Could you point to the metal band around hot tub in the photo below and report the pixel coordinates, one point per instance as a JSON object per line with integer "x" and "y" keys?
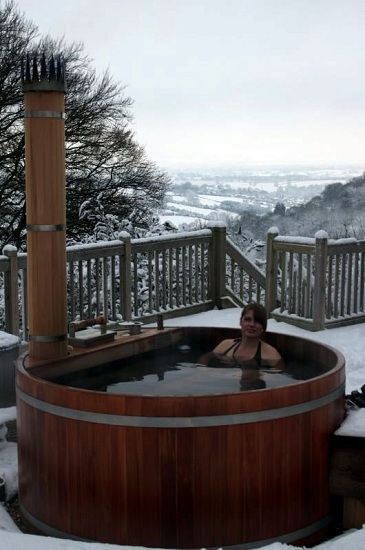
{"x": 284, "y": 538}
{"x": 45, "y": 227}
{"x": 47, "y": 338}
{"x": 44, "y": 114}
{"x": 180, "y": 422}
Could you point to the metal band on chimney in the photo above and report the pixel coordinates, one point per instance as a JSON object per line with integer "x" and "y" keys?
{"x": 45, "y": 227}
{"x": 44, "y": 114}
{"x": 47, "y": 338}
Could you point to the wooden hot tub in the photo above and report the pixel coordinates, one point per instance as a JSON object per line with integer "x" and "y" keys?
{"x": 243, "y": 469}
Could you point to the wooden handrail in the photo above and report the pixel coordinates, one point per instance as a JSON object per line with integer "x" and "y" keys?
{"x": 321, "y": 280}
{"x": 184, "y": 273}
{"x": 245, "y": 263}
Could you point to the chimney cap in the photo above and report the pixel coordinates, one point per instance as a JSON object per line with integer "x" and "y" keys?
{"x": 37, "y": 75}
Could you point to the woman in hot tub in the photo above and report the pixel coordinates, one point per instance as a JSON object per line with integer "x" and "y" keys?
{"x": 249, "y": 351}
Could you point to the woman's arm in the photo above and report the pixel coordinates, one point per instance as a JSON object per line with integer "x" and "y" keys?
{"x": 214, "y": 358}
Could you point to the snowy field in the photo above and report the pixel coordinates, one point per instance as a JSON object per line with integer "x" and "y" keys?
{"x": 199, "y": 210}
{"x": 349, "y": 340}
{"x": 272, "y": 186}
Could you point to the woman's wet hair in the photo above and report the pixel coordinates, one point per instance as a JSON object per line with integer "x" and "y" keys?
{"x": 259, "y": 313}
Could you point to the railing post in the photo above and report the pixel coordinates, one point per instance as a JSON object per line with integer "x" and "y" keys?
{"x": 218, "y": 264}
{"x": 11, "y": 291}
{"x": 319, "y": 293}
{"x": 271, "y": 288}
{"x": 125, "y": 277}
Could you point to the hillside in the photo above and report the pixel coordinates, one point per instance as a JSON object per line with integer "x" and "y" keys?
{"x": 339, "y": 210}
{"x": 299, "y": 200}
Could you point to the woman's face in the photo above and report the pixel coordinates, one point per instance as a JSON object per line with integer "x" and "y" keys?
{"x": 250, "y": 327}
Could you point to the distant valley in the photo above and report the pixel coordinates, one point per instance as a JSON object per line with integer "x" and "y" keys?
{"x": 224, "y": 194}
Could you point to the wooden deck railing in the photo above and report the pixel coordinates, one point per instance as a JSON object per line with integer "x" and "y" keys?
{"x": 315, "y": 283}
{"x": 244, "y": 281}
{"x": 124, "y": 279}
{"x": 312, "y": 283}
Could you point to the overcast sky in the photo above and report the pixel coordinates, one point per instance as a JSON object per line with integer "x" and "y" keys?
{"x": 229, "y": 81}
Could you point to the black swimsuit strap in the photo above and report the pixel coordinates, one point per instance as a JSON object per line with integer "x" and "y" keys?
{"x": 256, "y": 357}
{"x": 258, "y": 354}
{"x": 235, "y": 345}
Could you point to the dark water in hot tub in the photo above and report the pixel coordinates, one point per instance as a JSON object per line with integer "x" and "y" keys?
{"x": 176, "y": 371}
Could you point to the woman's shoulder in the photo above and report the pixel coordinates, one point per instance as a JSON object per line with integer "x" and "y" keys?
{"x": 268, "y": 351}
{"x": 224, "y": 345}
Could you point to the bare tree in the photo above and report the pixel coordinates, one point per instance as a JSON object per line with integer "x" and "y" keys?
{"x": 16, "y": 33}
{"x": 103, "y": 159}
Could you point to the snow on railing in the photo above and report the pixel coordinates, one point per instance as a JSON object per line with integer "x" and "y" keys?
{"x": 122, "y": 279}
{"x": 309, "y": 282}
{"x": 320, "y": 281}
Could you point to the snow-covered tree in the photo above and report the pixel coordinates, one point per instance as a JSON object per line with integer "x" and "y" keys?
{"x": 102, "y": 155}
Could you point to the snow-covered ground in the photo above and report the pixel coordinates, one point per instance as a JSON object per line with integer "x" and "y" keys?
{"x": 349, "y": 340}
{"x": 179, "y": 221}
